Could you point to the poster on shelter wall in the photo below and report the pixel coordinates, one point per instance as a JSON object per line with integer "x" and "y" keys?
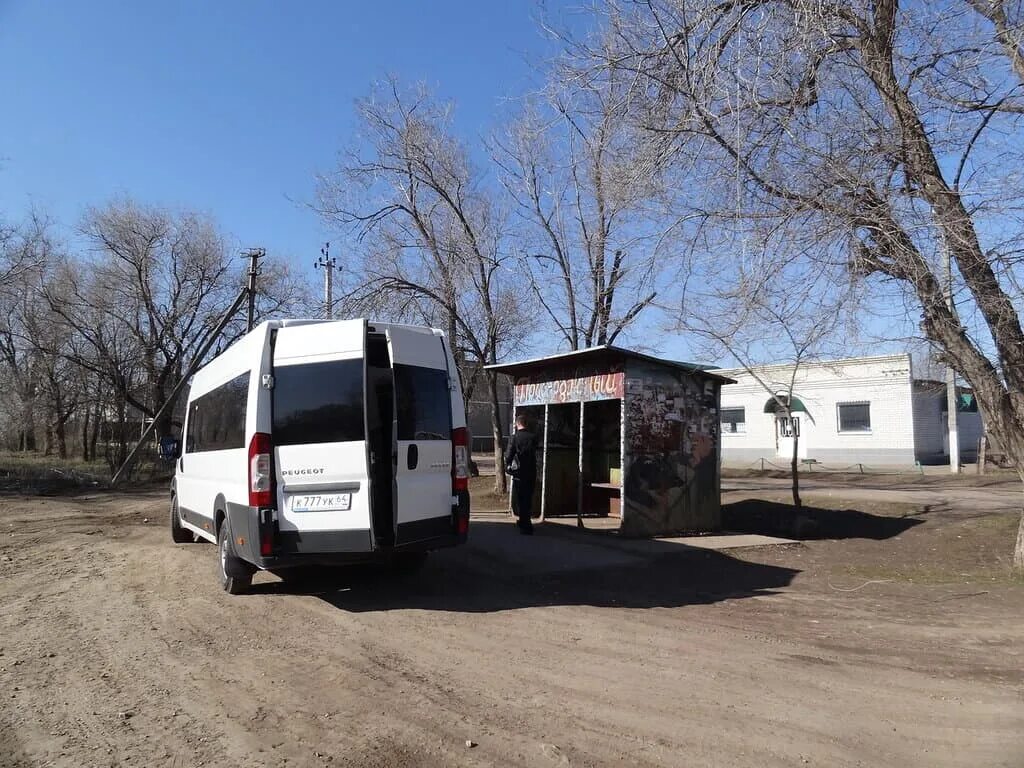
{"x": 575, "y": 389}
{"x": 673, "y": 414}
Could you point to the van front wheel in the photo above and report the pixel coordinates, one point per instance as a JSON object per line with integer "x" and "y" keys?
{"x": 235, "y": 573}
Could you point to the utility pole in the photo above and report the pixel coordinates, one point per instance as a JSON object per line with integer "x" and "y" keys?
{"x": 951, "y": 398}
{"x": 328, "y": 265}
{"x": 254, "y": 255}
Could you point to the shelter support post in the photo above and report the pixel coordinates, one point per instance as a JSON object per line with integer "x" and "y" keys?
{"x": 579, "y": 472}
{"x": 512, "y": 482}
{"x": 544, "y": 467}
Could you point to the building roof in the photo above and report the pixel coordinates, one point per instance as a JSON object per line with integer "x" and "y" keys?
{"x": 900, "y": 357}
{"x": 604, "y": 353}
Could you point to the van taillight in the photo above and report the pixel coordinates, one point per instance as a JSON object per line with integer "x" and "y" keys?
{"x": 261, "y": 481}
{"x": 460, "y": 459}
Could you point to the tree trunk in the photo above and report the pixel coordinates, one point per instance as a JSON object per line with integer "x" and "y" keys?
{"x": 794, "y": 464}
{"x": 61, "y": 433}
{"x": 85, "y": 435}
{"x": 498, "y": 432}
{"x": 28, "y": 440}
{"x": 1018, "y": 550}
{"x": 94, "y": 438}
{"x": 48, "y": 439}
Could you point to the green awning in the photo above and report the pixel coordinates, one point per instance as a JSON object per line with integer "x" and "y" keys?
{"x": 965, "y": 403}
{"x": 772, "y": 406}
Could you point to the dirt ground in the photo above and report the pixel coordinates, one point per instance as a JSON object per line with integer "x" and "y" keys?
{"x": 898, "y": 641}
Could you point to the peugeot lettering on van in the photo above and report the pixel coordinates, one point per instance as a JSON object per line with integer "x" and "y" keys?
{"x": 312, "y": 442}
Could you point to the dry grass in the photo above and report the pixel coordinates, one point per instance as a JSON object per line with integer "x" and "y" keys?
{"x": 36, "y": 474}
{"x": 482, "y": 495}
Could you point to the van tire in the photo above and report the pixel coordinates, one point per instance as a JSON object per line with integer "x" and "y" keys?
{"x": 235, "y": 573}
{"x": 179, "y": 534}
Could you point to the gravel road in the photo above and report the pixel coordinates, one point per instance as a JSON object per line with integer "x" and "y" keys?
{"x": 117, "y": 648}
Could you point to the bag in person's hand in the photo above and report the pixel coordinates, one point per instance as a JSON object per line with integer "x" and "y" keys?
{"x": 513, "y": 467}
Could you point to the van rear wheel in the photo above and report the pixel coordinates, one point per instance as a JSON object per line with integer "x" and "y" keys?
{"x": 179, "y": 534}
{"x": 235, "y": 573}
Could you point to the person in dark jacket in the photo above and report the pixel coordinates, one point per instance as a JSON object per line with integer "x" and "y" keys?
{"x": 523, "y": 448}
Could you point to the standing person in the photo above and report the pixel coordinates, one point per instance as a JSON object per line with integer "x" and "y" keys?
{"x": 522, "y": 449}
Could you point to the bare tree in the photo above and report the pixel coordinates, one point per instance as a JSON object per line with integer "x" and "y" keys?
{"x": 20, "y": 249}
{"x": 433, "y": 236}
{"x": 141, "y": 306}
{"x": 772, "y": 318}
{"x": 581, "y": 187}
{"x": 25, "y": 252}
{"x": 890, "y": 135}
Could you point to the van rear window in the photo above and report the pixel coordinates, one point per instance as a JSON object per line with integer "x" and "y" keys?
{"x": 423, "y": 403}
{"x": 318, "y": 402}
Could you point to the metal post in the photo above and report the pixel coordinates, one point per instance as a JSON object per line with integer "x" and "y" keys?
{"x": 579, "y": 476}
{"x": 951, "y": 398}
{"x": 544, "y": 467}
{"x": 328, "y": 265}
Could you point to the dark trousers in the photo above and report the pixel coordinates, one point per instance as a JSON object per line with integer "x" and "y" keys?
{"x": 522, "y": 495}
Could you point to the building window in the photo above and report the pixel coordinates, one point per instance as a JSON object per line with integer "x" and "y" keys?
{"x": 854, "y": 417}
{"x": 734, "y": 421}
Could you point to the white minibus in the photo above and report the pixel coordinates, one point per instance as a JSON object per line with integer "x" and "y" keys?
{"x": 311, "y": 443}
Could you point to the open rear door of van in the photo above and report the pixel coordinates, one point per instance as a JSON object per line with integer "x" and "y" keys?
{"x": 319, "y": 436}
{"x": 423, "y": 435}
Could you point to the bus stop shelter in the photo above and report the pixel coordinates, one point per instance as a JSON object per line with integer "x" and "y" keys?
{"x": 623, "y": 435}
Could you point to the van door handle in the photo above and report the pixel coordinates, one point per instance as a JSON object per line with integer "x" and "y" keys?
{"x": 413, "y": 457}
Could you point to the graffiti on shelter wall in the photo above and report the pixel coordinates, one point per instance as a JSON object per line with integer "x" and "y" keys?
{"x": 673, "y": 414}
{"x": 671, "y": 451}
{"x": 580, "y": 386}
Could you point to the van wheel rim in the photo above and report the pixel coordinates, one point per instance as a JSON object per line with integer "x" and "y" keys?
{"x": 224, "y": 557}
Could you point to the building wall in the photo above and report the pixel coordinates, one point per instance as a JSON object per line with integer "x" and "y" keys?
{"x": 884, "y": 382}
{"x": 930, "y": 425}
{"x": 671, "y": 451}
{"x": 970, "y": 430}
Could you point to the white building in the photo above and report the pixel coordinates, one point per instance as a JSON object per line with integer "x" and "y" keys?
{"x": 866, "y": 410}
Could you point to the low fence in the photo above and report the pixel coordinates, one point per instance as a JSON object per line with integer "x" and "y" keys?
{"x": 813, "y": 465}
{"x": 482, "y": 444}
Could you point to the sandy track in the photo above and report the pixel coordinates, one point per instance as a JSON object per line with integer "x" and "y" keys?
{"x": 118, "y": 649}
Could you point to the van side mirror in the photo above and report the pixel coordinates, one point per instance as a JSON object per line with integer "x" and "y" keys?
{"x": 169, "y": 448}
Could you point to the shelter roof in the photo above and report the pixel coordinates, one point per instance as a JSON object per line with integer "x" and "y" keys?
{"x": 605, "y": 353}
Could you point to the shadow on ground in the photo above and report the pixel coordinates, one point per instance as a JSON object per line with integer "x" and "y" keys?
{"x": 776, "y": 519}
{"x": 500, "y": 570}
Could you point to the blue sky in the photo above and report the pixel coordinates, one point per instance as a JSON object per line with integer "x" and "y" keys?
{"x": 229, "y": 107}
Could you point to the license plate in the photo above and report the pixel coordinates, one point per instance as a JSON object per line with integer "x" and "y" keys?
{"x": 322, "y": 502}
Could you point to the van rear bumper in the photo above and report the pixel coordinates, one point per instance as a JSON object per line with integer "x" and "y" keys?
{"x": 303, "y": 548}
{"x": 342, "y": 548}
{"x": 299, "y": 548}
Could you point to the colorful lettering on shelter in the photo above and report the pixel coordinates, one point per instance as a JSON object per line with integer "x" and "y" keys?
{"x": 601, "y": 386}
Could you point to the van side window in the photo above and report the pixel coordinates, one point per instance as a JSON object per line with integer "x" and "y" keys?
{"x": 423, "y": 403}
{"x": 318, "y": 402}
{"x": 216, "y": 421}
